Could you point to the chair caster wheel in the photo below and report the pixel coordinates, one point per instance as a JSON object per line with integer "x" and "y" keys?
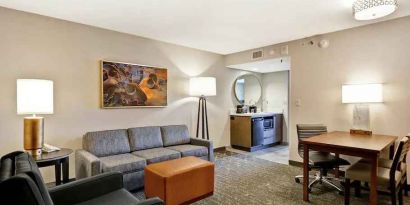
{"x": 341, "y": 193}
{"x": 297, "y": 180}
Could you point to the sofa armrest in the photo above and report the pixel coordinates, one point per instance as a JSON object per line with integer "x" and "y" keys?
{"x": 205, "y": 143}
{"x": 86, "y": 164}
{"x": 86, "y": 189}
{"x": 151, "y": 201}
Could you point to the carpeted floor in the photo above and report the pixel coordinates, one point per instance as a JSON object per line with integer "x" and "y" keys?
{"x": 245, "y": 179}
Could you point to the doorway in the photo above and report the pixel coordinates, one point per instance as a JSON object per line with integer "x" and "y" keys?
{"x": 274, "y": 77}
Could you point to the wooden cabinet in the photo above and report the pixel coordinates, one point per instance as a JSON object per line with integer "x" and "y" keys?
{"x": 243, "y": 132}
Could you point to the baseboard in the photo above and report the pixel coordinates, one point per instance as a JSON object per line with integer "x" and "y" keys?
{"x": 295, "y": 163}
{"x": 255, "y": 148}
{"x": 220, "y": 149}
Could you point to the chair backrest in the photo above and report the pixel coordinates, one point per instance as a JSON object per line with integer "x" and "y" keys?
{"x": 400, "y": 156}
{"x": 21, "y": 181}
{"x": 308, "y": 130}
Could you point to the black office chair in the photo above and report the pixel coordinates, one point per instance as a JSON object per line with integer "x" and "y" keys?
{"x": 21, "y": 183}
{"x": 322, "y": 161}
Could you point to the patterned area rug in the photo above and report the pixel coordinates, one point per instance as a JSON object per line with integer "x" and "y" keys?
{"x": 244, "y": 179}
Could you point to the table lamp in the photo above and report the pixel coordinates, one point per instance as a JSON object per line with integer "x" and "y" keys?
{"x": 202, "y": 87}
{"x": 361, "y": 95}
{"x": 34, "y": 97}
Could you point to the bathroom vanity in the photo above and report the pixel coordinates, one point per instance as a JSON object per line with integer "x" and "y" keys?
{"x": 255, "y": 131}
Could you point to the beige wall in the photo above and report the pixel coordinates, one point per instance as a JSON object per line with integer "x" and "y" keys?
{"x": 275, "y": 88}
{"x": 33, "y": 46}
{"x": 377, "y": 53}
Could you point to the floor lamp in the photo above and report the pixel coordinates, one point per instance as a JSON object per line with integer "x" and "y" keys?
{"x": 202, "y": 87}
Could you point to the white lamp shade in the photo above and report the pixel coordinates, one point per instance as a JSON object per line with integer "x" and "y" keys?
{"x": 34, "y": 96}
{"x": 205, "y": 86}
{"x": 362, "y": 93}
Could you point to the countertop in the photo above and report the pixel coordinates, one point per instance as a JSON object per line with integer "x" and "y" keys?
{"x": 258, "y": 114}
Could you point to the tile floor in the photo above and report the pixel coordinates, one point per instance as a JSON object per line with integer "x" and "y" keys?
{"x": 278, "y": 153}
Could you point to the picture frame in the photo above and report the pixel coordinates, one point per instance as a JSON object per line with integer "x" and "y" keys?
{"x": 130, "y": 85}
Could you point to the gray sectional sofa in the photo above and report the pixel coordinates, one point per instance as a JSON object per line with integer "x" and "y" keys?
{"x": 130, "y": 150}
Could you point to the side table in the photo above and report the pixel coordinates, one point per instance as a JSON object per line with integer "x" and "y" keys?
{"x": 58, "y": 159}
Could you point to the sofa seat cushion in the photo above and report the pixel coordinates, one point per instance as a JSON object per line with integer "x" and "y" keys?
{"x": 124, "y": 163}
{"x": 144, "y": 138}
{"x": 190, "y": 150}
{"x": 157, "y": 155}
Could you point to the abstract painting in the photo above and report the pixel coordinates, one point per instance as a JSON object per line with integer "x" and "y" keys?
{"x": 133, "y": 85}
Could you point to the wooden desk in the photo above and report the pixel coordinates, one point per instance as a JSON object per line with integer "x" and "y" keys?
{"x": 365, "y": 146}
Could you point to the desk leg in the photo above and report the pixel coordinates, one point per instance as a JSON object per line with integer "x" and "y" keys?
{"x": 305, "y": 172}
{"x": 391, "y": 152}
{"x": 58, "y": 172}
{"x": 66, "y": 169}
{"x": 337, "y": 168}
{"x": 373, "y": 180}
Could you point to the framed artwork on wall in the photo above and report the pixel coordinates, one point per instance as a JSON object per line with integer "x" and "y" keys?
{"x": 127, "y": 85}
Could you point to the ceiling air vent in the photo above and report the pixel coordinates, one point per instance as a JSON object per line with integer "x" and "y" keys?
{"x": 257, "y": 54}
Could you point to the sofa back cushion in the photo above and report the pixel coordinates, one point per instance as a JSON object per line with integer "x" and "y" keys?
{"x": 175, "y": 135}
{"x": 144, "y": 138}
{"x": 105, "y": 143}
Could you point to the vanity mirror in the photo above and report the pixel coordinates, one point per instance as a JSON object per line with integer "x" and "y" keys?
{"x": 248, "y": 89}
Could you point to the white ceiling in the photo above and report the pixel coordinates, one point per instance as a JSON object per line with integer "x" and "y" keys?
{"x": 265, "y": 66}
{"x": 220, "y": 26}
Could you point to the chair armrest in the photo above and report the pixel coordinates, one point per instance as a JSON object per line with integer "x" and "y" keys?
{"x": 151, "y": 201}
{"x": 86, "y": 189}
{"x": 205, "y": 143}
{"x": 86, "y": 164}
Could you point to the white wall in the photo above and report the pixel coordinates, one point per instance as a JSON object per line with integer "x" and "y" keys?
{"x": 275, "y": 88}
{"x": 33, "y": 46}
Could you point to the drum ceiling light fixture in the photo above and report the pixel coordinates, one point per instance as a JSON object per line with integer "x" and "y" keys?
{"x": 373, "y": 9}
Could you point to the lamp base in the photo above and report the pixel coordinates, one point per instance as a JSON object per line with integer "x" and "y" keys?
{"x": 361, "y": 117}
{"x": 33, "y": 134}
{"x": 202, "y": 110}
{"x": 35, "y": 152}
